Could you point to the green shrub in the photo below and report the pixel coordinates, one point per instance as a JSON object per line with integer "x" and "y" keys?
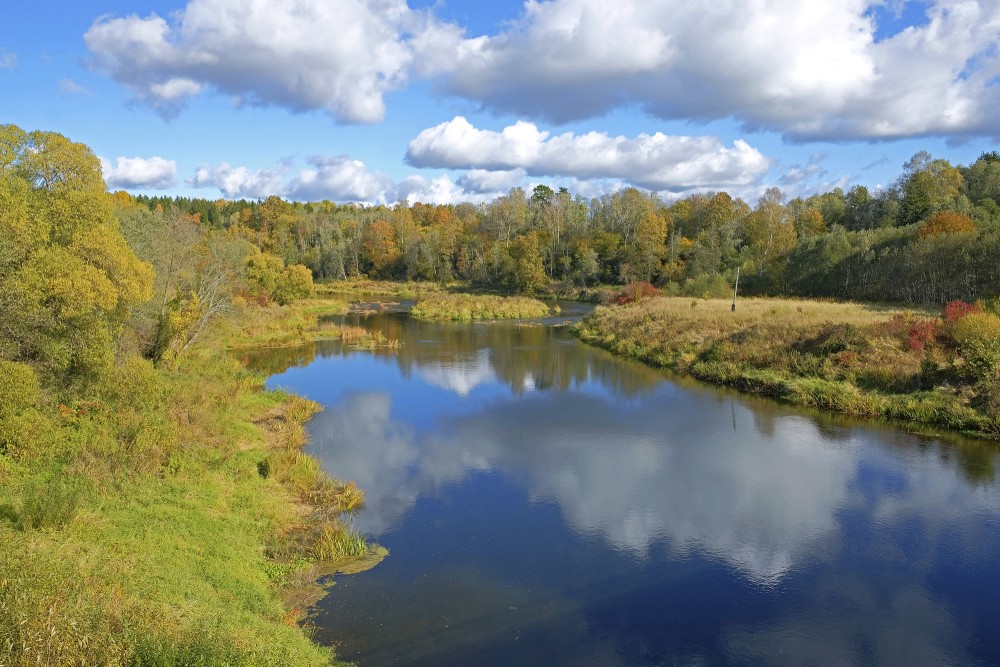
{"x": 19, "y": 396}
{"x": 707, "y": 286}
{"x": 978, "y": 338}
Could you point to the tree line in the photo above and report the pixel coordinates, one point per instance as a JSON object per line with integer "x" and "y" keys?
{"x": 932, "y": 236}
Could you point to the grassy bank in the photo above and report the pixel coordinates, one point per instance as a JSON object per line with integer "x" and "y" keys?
{"x": 467, "y": 307}
{"x": 175, "y": 520}
{"x": 856, "y": 359}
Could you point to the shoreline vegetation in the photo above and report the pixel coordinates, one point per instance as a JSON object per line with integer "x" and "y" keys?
{"x": 199, "y": 540}
{"x": 468, "y": 307}
{"x": 862, "y": 360}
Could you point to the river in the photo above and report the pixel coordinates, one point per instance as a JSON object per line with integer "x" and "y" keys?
{"x": 546, "y": 503}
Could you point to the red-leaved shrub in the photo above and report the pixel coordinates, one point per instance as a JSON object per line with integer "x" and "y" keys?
{"x": 956, "y": 310}
{"x": 635, "y": 292}
{"x": 922, "y": 334}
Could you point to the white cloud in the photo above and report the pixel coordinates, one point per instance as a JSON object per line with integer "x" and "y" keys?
{"x": 481, "y": 180}
{"x": 240, "y": 182}
{"x": 801, "y": 173}
{"x": 656, "y": 161}
{"x": 154, "y": 173}
{"x": 341, "y": 56}
{"x": 809, "y": 70}
{"x": 8, "y": 60}
{"x": 337, "y": 178}
{"x": 71, "y": 87}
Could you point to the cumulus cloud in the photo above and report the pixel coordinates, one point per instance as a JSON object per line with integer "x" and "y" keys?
{"x": 240, "y": 182}
{"x": 656, "y": 161}
{"x": 809, "y": 70}
{"x": 155, "y": 173}
{"x": 337, "y": 178}
{"x": 8, "y": 60}
{"x": 341, "y": 56}
{"x": 816, "y": 70}
{"x": 484, "y": 181}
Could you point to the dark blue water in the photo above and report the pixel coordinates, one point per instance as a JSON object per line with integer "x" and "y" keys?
{"x": 547, "y": 504}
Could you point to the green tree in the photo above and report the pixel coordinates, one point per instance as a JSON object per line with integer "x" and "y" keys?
{"x": 68, "y": 279}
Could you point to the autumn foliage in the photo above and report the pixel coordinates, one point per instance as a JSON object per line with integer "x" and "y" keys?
{"x": 636, "y": 292}
{"x": 945, "y": 222}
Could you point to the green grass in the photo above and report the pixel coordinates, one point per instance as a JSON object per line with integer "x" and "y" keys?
{"x": 840, "y": 357}
{"x": 282, "y": 326}
{"x": 467, "y": 307}
{"x": 163, "y": 523}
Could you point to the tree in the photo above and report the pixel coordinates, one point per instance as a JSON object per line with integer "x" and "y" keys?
{"x": 769, "y": 235}
{"x": 68, "y": 279}
{"x": 380, "y": 248}
{"x": 928, "y": 185}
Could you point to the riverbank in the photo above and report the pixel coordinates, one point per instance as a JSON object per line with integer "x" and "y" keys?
{"x": 177, "y": 520}
{"x": 862, "y": 360}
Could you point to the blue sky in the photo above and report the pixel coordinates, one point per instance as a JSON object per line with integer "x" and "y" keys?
{"x": 458, "y": 100}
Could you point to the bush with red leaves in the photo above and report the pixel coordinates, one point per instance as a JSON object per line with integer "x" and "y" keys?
{"x": 956, "y": 310}
{"x": 635, "y": 292}
{"x": 922, "y": 334}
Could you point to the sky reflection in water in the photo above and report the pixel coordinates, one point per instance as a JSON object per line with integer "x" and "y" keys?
{"x": 545, "y": 503}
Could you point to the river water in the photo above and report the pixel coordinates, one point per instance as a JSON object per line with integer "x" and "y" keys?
{"x": 545, "y": 503}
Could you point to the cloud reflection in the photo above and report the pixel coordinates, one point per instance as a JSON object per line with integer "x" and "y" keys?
{"x": 663, "y": 469}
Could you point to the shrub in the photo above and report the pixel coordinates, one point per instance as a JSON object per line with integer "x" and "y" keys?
{"x": 19, "y": 394}
{"x": 922, "y": 335}
{"x": 945, "y": 222}
{"x": 296, "y": 283}
{"x": 708, "y": 286}
{"x": 635, "y": 293}
{"x": 978, "y": 338}
{"x": 956, "y": 310}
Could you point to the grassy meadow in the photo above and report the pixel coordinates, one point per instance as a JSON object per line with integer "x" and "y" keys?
{"x": 187, "y": 529}
{"x": 864, "y": 360}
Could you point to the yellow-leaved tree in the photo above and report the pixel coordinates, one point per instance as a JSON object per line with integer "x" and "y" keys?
{"x": 68, "y": 279}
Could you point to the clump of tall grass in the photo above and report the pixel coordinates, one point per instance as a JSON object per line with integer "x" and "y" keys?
{"x": 335, "y": 541}
{"x": 48, "y": 504}
{"x": 466, "y": 307}
{"x": 360, "y": 337}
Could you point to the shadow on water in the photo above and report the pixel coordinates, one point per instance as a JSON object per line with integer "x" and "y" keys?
{"x": 547, "y": 503}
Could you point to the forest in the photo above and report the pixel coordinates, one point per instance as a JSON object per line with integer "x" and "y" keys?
{"x": 930, "y": 237}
